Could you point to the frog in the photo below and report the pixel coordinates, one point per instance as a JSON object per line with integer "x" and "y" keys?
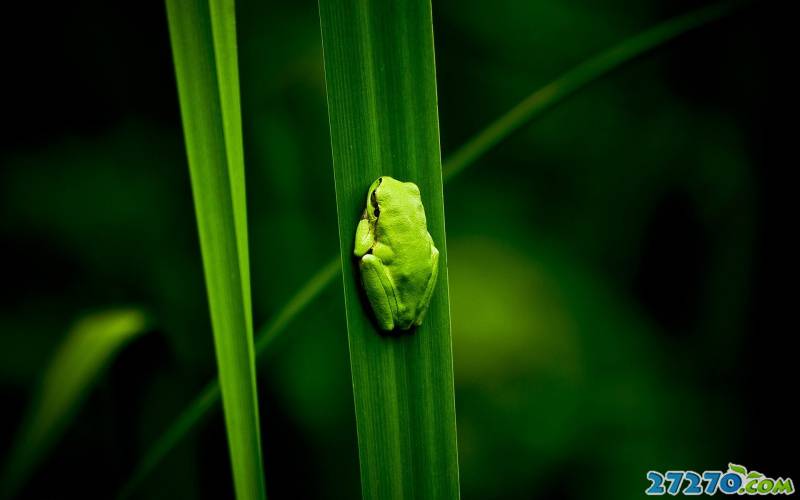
{"x": 397, "y": 259}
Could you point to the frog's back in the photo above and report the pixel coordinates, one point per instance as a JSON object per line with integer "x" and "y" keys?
{"x": 407, "y": 249}
{"x": 402, "y": 210}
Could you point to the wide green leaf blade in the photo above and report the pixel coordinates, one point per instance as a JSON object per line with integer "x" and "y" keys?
{"x": 202, "y": 33}
{"x": 381, "y": 84}
{"x": 89, "y": 346}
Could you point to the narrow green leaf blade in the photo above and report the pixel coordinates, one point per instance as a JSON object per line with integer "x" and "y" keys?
{"x": 203, "y": 40}
{"x": 381, "y": 83}
{"x": 194, "y": 413}
{"x": 223, "y": 23}
{"x": 77, "y": 364}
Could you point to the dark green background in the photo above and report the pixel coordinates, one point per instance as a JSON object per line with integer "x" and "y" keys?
{"x": 614, "y": 266}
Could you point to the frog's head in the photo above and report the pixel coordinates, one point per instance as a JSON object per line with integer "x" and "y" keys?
{"x": 387, "y": 190}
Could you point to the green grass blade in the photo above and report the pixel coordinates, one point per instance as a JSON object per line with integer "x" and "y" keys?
{"x": 296, "y": 304}
{"x": 577, "y": 78}
{"x": 77, "y": 364}
{"x": 209, "y": 397}
{"x": 465, "y": 157}
{"x": 223, "y": 24}
{"x": 381, "y": 83}
{"x": 194, "y": 413}
{"x": 203, "y": 39}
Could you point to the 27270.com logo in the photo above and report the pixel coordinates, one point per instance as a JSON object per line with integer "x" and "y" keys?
{"x": 735, "y": 481}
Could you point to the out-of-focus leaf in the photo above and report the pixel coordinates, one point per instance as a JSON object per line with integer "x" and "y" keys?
{"x": 75, "y": 367}
{"x": 577, "y": 78}
{"x": 209, "y": 398}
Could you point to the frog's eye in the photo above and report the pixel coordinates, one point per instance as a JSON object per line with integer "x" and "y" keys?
{"x": 375, "y": 210}
{"x": 373, "y": 197}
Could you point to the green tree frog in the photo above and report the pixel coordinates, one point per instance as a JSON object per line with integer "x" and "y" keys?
{"x": 397, "y": 258}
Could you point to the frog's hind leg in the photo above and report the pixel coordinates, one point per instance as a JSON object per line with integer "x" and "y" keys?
{"x": 379, "y": 290}
{"x": 426, "y": 297}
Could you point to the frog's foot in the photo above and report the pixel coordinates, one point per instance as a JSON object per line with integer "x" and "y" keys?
{"x": 426, "y": 298}
{"x": 379, "y": 290}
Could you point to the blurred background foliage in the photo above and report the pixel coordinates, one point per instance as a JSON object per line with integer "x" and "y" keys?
{"x": 607, "y": 262}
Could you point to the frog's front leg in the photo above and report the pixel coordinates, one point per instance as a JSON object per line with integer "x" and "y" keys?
{"x": 365, "y": 238}
{"x": 426, "y": 297}
{"x": 380, "y": 290}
